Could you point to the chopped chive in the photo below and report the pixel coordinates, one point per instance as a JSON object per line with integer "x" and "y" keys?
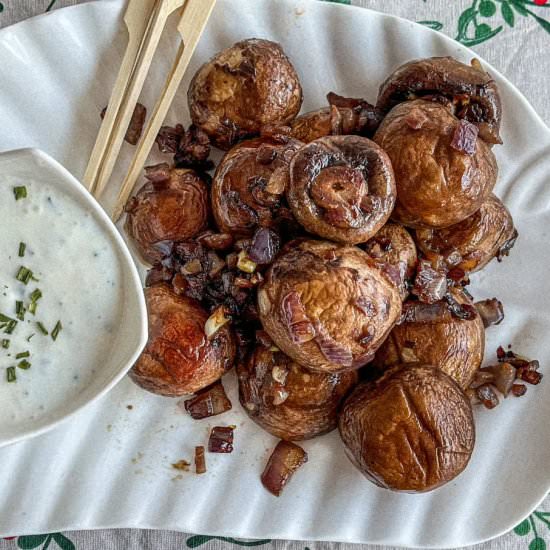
{"x": 32, "y": 307}
{"x": 42, "y": 328}
{"x": 10, "y": 327}
{"x": 20, "y": 310}
{"x": 24, "y": 275}
{"x": 5, "y": 318}
{"x": 23, "y": 354}
{"x": 20, "y": 192}
{"x": 5, "y": 343}
{"x": 24, "y": 364}
{"x": 29, "y": 337}
{"x": 56, "y": 330}
{"x": 22, "y": 247}
{"x": 36, "y": 295}
{"x": 10, "y": 374}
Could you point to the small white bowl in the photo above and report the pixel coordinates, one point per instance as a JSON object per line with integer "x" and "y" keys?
{"x": 130, "y": 326}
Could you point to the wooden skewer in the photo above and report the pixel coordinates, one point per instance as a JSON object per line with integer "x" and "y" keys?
{"x": 191, "y": 26}
{"x": 161, "y": 11}
{"x": 136, "y": 19}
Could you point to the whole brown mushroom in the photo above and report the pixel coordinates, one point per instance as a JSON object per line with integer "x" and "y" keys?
{"x": 344, "y": 116}
{"x": 412, "y": 430}
{"x": 173, "y": 206}
{"x": 442, "y": 171}
{"x": 472, "y": 243}
{"x": 249, "y": 185}
{"x": 456, "y": 346}
{"x": 243, "y": 88}
{"x": 327, "y": 306}
{"x": 393, "y": 247}
{"x": 341, "y": 188}
{"x": 472, "y": 92}
{"x": 286, "y": 399}
{"x": 179, "y": 358}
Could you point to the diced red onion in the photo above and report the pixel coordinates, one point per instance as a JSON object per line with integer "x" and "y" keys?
{"x": 430, "y": 285}
{"x": 221, "y": 440}
{"x": 487, "y": 396}
{"x": 491, "y": 311}
{"x": 465, "y": 137}
{"x": 285, "y": 459}
{"x": 294, "y": 315}
{"x": 264, "y": 247}
{"x": 331, "y": 349}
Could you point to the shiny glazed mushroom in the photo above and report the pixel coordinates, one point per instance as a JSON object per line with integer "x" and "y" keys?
{"x": 286, "y": 399}
{"x": 179, "y": 358}
{"x": 249, "y": 185}
{"x": 341, "y": 188}
{"x": 472, "y": 243}
{"x": 327, "y": 306}
{"x": 393, "y": 247}
{"x": 454, "y": 345}
{"x": 471, "y": 91}
{"x": 412, "y": 430}
{"x": 172, "y": 206}
{"x": 243, "y": 88}
{"x": 344, "y": 116}
{"x": 442, "y": 171}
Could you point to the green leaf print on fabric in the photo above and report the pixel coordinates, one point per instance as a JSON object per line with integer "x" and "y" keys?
{"x": 1, "y": 7}
{"x": 435, "y": 25}
{"x": 529, "y": 526}
{"x": 44, "y": 541}
{"x": 198, "y": 540}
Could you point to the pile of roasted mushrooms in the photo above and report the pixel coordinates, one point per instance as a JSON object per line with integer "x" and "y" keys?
{"x": 328, "y": 259}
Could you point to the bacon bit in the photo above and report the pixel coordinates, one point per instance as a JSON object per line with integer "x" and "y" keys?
{"x": 200, "y": 460}
{"x": 491, "y": 311}
{"x": 285, "y": 459}
{"x": 487, "y": 396}
{"x": 158, "y": 173}
{"x": 430, "y": 285}
{"x": 456, "y": 274}
{"x": 519, "y": 389}
{"x": 501, "y": 354}
{"x": 529, "y": 374}
{"x": 331, "y": 349}
{"x": 221, "y": 440}
{"x": 208, "y": 402}
{"x": 294, "y": 315}
{"x": 465, "y": 137}
{"x": 136, "y": 123}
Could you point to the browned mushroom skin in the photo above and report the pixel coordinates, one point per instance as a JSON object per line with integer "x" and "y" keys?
{"x": 344, "y": 116}
{"x": 341, "y": 188}
{"x": 394, "y": 246}
{"x": 249, "y": 185}
{"x": 471, "y": 244}
{"x": 456, "y": 346}
{"x": 472, "y": 91}
{"x": 327, "y": 306}
{"x": 412, "y": 430}
{"x": 242, "y": 88}
{"x": 438, "y": 184}
{"x": 172, "y": 209}
{"x": 179, "y": 359}
{"x": 286, "y": 399}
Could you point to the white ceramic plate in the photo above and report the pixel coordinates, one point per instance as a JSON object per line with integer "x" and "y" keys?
{"x": 110, "y": 466}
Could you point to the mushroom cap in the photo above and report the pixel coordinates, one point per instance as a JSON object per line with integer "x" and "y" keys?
{"x": 437, "y": 184}
{"x": 477, "y": 239}
{"x": 286, "y": 399}
{"x": 412, "y": 430}
{"x": 173, "y": 210}
{"x": 242, "y": 88}
{"x": 179, "y": 359}
{"x": 327, "y": 306}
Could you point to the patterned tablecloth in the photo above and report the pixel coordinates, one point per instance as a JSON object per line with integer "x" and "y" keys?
{"x": 511, "y": 34}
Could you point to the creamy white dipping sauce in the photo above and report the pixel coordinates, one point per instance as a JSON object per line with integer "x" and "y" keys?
{"x": 78, "y": 273}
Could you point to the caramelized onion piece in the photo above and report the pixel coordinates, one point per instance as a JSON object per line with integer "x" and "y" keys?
{"x": 518, "y": 390}
{"x": 264, "y": 247}
{"x": 221, "y": 440}
{"x": 208, "y": 402}
{"x": 430, "y": 285}
{"x": 285, "y": 459}
{"x": 200, "y": 460}
{"x": 504, "y": 377}
{"x": 491, "y": 311}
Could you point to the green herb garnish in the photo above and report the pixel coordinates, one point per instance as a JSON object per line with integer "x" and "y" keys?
{"x": 24, "y": 364}
{"x": 29, "y": 337}
{"x": 56, "y": 330}
{"x": 32, "y": 307}
{"x": 20, "y": 310}
{"x": 23, "y": 354}
{"x": 24, "y": 275}
{"x": 10, "y": 374}
{"x": 42, "y": 328}
{"x": 22, "y": 247}
{"x": 5, "y": 343}
{"x": 36, "y": 295}
{"x": 10, "y": 327}
{"x": 20, "y": 192}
